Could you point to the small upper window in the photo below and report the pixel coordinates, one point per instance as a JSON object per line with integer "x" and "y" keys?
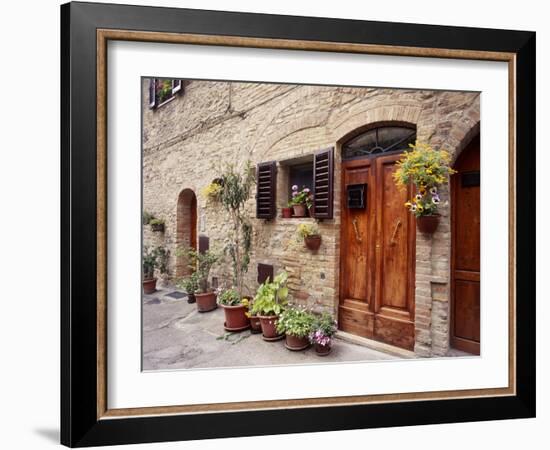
{"x": 162, "y": 90}
{"x": 383, "y": 139}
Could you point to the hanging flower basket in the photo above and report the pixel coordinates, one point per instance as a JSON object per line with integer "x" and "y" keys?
{"x": 313, "y": 242}
{"x": 428, "y": 224}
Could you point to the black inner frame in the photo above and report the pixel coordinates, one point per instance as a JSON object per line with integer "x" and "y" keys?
{"x": 79, "y": 424}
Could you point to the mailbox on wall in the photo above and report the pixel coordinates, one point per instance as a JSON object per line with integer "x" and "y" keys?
{"x": 356, "y": 196}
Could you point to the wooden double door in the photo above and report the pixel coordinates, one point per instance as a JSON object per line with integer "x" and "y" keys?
{"x": 377, "y": 260}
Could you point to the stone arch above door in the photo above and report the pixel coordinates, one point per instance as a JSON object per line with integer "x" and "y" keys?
{"x": 186, "y": 228}
{"x": 350, "y": 125}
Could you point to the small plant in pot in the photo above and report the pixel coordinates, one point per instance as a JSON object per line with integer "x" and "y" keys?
{"x": 309, "y": 232}
{"x": 269, "y": 303}
{"x": 323, "y": 329}
{"x": 286, "y": 212}
{"x": 147, "y": 217}
{"x": 190, "y": 285}
{"x": 300, "y": 200}
{"x": 151, "y": 260}
{"x": 235, "y": 308}
{"x": 201, "y": 263}
{"x": 297, "y": 324}
{"x": 427, "y": 169}
{"x": 157, "y": 224}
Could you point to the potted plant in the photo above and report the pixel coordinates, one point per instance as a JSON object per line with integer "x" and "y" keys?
{"x": 201, "y": 263}
{"x": 269, "y": 302}
{"x": 190, "y": 285}
{"x": 147, "y": 217}
{"x": 287, "y": 212}
{"x": 235, "y": 309}
{"x": 309, "y": 232}
{"x": 235, "y": 191}
{"x": 255, "y": 323}
{"x": 324, "y": 327}
{"x": 157, "y": 224}
{"x": 427, "y": 169}
{"x": 301, "y": 199}
{"x": 297, "y": 324}
{"x": 151, "y": 260}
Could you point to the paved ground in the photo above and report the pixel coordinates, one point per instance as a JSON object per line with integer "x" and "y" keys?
{"x": 176, "y": 336}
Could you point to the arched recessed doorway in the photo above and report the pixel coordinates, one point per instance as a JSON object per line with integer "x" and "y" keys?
{"x": 377, "y": 241}
{"x": 186, "y": 228}
{"x": 465, "y": 231}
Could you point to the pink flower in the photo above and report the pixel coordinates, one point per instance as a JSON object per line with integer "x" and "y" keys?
{"x": 306, "y": 189}
{"x": 294, "y": 188}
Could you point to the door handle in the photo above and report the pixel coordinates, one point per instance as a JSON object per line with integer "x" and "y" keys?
{"x": 357, "y": 235}
{"x": 394, "y": 234}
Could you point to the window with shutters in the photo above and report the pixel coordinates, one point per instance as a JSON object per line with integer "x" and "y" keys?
{"x": 163, "y": 90}
{"x": 266, "y": 186}
{"x": 293, "y": 172}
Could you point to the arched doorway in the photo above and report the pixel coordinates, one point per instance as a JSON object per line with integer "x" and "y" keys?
{"x": 465, "y": 266}
{"x": 186, "y": 228}
{"x": 377, "y": 242}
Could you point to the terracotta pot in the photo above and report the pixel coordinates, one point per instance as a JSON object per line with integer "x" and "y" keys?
{"x": 428, "y": 224}
{"x": 235, "y": 318}
{"x": 149, "y": 286}
{"x": 287, "y": 213}
{"x": 296, "y": 343}
{"x": 313, "y": 242}
{"x": 269, "y": 327}
{"x": 322, "y": 350}
{"x": 206, "y": 302}
{"x": 255, "y": 325}
{"x": 157, "y": 227}
{"x": 191, "y": 298}
{"x": 299, "y": 210}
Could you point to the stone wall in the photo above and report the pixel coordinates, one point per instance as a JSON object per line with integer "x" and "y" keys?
{"x": 185, "y": 141}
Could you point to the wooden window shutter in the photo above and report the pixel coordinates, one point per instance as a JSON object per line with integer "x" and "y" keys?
{"x": 266, "y": 183}
{"x": 323, "y": 181}
{"x": 176, "y": 85}
{"x": 265, "y": 273}
{"x": 152, "y": 92}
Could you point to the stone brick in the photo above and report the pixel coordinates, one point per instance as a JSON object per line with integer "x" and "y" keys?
{"x": 185, "y": 140}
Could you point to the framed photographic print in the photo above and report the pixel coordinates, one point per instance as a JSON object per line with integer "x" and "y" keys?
{"x": 277, "y": 224}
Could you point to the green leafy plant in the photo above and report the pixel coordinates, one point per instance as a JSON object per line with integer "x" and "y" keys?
{"x": 147, "y": 217}
{"x": 301, "y": 197}
{"x": 296, "y": 322}
{"x": 427, "y": 169}
{"x": 307, "y": 229}
{"x": 163, "y": 89}
{"x": 156, "y": 221}
{"x": 233, "y": 196}
{"x": 201, "y": 263}
{"x": 190, "y": 284}
{"x": 230, "y": 297}
{"x": 154, "y": 258}
{"x": 271, "y": 297}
